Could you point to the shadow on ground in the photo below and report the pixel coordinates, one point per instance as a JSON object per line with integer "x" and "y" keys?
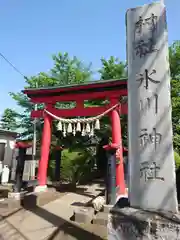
{"x": 69, "y": 188}
{"x": 89, "y": 203}
{"x": 64, "y": 228}
{"x": 7, "y": 226}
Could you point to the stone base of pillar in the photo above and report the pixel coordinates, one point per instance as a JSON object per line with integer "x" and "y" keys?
{"x": 40, "y": 189}
{"x": 130, "y": 224}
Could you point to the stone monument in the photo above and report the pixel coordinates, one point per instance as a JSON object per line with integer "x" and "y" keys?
{"x": 151, "y": 157}
{"x": 152, "y": 185}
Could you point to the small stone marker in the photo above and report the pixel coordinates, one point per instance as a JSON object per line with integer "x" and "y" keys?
{"x": 107, "y": 208}
{"x": 151, "y": 157}
{"x": 83, "y": 215}
{"x": 101, "y": 218}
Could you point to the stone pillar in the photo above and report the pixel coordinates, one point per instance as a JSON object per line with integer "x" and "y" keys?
{"x": 117, "y": 143}
{"x": 151, "y": 158}
{"x": 45, "y": 147}
{"x": 58, "y": 152}
{"x": 20, "y": 169}
{"x": 110, "y": 176}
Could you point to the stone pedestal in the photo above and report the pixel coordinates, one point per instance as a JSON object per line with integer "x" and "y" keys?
{"x": 5, "y": 190}
{"x": 132, "y": 224}
{"x": 101, "y": 218}
{"x": 83, "y": 215}
{"x": 16, "y": 195}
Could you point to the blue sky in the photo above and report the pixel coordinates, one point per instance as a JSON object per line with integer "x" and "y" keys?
{"x": 31, "y": 31}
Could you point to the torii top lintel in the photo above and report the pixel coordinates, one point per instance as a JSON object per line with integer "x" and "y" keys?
{"x": 110, "y": 89}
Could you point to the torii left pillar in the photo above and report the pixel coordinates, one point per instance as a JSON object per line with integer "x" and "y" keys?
{"x": 45, "y": 147}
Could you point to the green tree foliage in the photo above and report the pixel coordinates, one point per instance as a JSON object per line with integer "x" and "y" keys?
{"x": 68, "y": 70}
{"x": 76, "y": 166}
{"x": 24, "y": 119}
{"x": 9, "y": 120}
{"x": 115, "y": 69}
{"x": 177, "y": 159}
{"x": 112, "y": 68}
{"x": 174, "y": 58}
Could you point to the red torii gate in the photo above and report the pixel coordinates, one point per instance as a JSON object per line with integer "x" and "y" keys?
{"x": 110, "y": 90}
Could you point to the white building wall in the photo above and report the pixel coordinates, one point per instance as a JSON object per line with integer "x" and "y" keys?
{"x": 9, "y": 149}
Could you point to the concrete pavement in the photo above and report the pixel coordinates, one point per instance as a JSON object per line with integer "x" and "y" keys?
{"x": 42, "y": 223}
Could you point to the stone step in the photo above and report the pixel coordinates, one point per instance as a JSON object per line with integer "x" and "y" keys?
{"x": 101, "y": 218}
{"x": 9, "y": 205}
{"x": 28, "y": 200}
{"x": 8, "y": 232}
{"x": 81, "y": 231}
{"x": 39, "y": 199}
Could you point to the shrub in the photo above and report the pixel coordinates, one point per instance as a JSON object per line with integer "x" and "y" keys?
{"x": 76, "y": 166}
{"x": 51, "y": 169}
{"x": 177, "y": 159}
